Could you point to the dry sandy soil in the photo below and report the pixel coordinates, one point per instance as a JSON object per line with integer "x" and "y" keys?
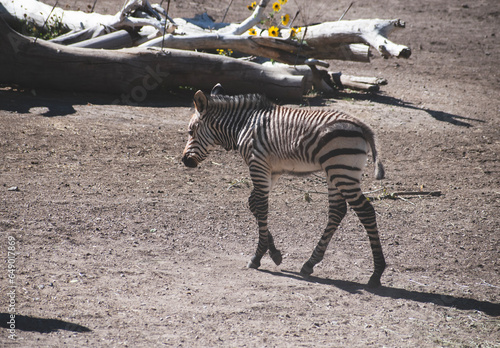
{"x": 119, "y": 245}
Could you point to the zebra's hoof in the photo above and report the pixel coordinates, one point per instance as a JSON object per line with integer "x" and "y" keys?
{"x": 277, "y": 258}
{"x": 254, "y": 263}
{"x": 306, "y": 271}
{"x": 374, "y": 281}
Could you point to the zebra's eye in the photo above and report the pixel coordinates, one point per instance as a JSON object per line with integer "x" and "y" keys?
{"x": 190, "y": 132}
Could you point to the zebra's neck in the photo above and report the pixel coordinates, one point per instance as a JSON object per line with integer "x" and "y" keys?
{"x": 234, "y": 115}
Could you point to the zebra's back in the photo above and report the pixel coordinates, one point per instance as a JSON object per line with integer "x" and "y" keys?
{"x": 302, "y": 141}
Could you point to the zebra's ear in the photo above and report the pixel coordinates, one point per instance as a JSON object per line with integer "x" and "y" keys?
{"x": 200, "y": 102}
{"x": 217, "y": 90}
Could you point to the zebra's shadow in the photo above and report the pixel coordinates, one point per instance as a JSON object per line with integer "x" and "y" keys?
{"x": 42, "y": 325}
{"x": 489, "y": 308}
{"x": 380, "y": 98}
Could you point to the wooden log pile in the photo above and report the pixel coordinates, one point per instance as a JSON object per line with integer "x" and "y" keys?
{"x": 142, "y": 48}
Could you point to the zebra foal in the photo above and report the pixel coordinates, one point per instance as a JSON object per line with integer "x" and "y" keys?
{"x": 274, "y": 140}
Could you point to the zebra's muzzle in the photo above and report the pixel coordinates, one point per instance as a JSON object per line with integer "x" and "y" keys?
{"x": 189, "y": 161}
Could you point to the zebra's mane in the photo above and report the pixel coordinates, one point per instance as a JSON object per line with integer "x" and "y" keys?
{"x": 258, "y": 101}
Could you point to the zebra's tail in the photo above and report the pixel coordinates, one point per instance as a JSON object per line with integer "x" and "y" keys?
{"x": 370, "y": 138}
{"x": 379, "y": 170}
{"x": 379, "y": 167}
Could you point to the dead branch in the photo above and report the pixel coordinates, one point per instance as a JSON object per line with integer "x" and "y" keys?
{"x": 416, "y": 193}
{"x": 114, "y": 40}
{"x": 372, "y": 32}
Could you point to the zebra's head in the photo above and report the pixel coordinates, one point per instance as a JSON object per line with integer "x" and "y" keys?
{"x": 200, "y": 137}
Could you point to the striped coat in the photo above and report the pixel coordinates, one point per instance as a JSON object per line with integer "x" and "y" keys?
{"x": 274, "y": 140}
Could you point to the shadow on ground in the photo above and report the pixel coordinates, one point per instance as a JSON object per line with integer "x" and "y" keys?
{"x": 59, "y": 103}
{"x": 489, "y": 308}
{"x": 27, "y": 323}
{"x": 380, "y": 98}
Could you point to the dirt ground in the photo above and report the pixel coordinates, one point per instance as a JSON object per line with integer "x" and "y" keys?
{"x": 119, "y": 245}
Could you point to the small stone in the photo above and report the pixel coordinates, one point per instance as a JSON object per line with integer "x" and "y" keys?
{"x": 13, "y": 188}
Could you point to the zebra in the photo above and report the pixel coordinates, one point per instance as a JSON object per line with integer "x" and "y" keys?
{"x": 274, "y": 140}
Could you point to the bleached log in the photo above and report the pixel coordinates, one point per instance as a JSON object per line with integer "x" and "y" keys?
{"x": 132, "y": 73}
{"x": 342, "y": 40}
{"x": 372, "y": 32}
{"x": 327, "y": 81}
{"x": 74, "y": 36}
{"x": 361, "y": 84}
{"x": 278, "y": 49}
{"x": 366, "y": 79}
{"x": 39, "y": 12}
{"x": 114, "y": 40}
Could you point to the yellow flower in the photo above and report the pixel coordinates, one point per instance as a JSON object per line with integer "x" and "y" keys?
{"x": 224, "y": 52}
{"x": 252, "y": 31}
{"x": 251, "y": 7}
{"x": 294, "y": 31}
{"x": 285, "y": 19}
{"x": 274, "y": 31}
{"x": 276, "y": 7}
{"x": 282, "y": 2}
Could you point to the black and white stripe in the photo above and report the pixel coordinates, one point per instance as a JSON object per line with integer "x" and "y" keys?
{"x": 274, "y": 140}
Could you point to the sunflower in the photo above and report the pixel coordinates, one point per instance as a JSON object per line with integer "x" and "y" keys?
{"x": 224, "y": 52}
{"x": 285, "y": 19}
{"x": 252, "y": 6}
{"x": 276, "y": 7}
{"x": 252, "y": 31}
{"x": 274, "y": 31}
{"x": 282, "y": 2}
{"x": 294, "y": 31}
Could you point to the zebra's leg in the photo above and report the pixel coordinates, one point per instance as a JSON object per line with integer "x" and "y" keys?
{"x": 366, "y": 214}
{"x": 273, "y": 252}
{"x": 336, "y": 212}
{"x": 258, "y": 202}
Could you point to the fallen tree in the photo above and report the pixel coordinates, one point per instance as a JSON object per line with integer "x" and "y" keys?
{"x": 168, "y": 48}
{"x": 134, "y": 72}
